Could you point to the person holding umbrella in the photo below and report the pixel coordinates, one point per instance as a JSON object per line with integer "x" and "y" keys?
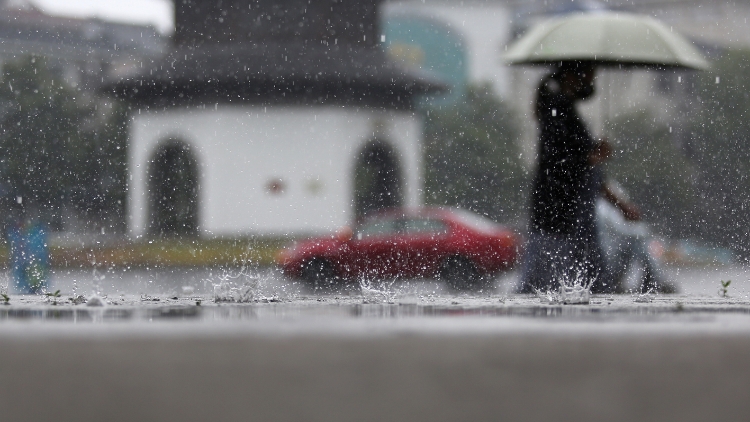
{"x": 563, "y": 242}
{"x": 563, "y": 247}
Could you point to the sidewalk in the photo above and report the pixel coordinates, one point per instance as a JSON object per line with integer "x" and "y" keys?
{"x": 419, "y": 369}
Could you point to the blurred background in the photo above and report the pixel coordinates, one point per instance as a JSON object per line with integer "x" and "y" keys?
{"x": 209, "y": 133}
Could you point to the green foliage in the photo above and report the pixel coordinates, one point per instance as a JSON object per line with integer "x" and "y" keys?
{"x": 40, "y": 140}
{"x": 98, "y": 191}
{"x": 472, "y": 157}
{"x": 655, "y": 172}
{"x": 721, "y": 143}
{"x": 59, "y": 148}
{"x": 6, "y": 298}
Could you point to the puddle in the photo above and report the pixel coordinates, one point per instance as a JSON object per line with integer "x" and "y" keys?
{"x": 620, "y": 308}
{"x": 211, "y": 295}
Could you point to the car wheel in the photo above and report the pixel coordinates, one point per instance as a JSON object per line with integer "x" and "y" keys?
{"x": 460, "y": 273}
{"x": 319, "y": 273}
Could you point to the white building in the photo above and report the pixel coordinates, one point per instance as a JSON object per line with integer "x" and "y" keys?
{"x": 272, "y": 169}
{"x": 260, "y": 121}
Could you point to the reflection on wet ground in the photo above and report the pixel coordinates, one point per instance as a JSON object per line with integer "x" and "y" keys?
{"x": 202, "y": 281}
{"x": 615, "y": 308}
{"x": 211, "y": 294}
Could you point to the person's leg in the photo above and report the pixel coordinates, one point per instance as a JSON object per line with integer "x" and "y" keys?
{"x": 594, "y": 272}
{"x": 530, "y": 277}
{"x": 600, "y": 280}
{"x": 548, "y": 262}
{"x": 654, "y": 278}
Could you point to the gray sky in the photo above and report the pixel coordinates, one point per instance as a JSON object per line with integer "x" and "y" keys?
{"x": 153, "y": 12}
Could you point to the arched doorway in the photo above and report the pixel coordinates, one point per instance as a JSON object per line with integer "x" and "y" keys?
{"x": 377, "y": 180}
{"x": 173, "y": 191}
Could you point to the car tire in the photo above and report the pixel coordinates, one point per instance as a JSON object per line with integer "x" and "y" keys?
{"x": 460, "y": 273}
{"x": 319, "y": 273}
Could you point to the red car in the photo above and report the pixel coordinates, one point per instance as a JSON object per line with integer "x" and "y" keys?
{"x": 453, "y": 244}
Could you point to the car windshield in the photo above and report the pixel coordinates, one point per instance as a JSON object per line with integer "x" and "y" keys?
{"x": 377, "y": 228}
{"x": 424, "y": 226}
{"x": 475, "y": 221}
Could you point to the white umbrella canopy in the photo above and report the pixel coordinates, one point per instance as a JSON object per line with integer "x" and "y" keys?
{"x": 606, "y": 38}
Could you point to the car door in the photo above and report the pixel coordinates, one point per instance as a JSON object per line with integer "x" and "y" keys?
{"x": 372, "y": 248}
{"x": 422, "y": 246}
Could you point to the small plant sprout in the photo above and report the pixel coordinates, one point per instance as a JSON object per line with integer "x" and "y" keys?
{"x": 6, "y": 298}
{"x": 53, "y": 296}
{"x": 724, "y": 289}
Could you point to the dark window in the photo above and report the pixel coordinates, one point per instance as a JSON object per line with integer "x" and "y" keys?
{"x": 173, "y": 189}
{"x": 424, "y": 226}
{"x": 377, "y": 229}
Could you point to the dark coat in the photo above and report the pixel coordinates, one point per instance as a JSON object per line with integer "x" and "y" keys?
{"x": 564, "y": 188}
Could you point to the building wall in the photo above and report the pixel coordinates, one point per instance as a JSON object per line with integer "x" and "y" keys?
{"x": 484, "y": 28}
{"x": 280, "y": 169}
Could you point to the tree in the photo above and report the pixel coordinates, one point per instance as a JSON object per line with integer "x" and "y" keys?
{"x": 57, "y": 149}
{"x": 720, "y": 149}
{"x": 472, "y": 157}
{"x": 655, "y": 172}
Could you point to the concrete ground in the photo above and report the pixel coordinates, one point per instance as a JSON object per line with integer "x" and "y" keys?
{"x": 409, "y": 355}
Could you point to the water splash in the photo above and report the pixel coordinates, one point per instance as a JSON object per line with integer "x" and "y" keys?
{"x": 573, "y": 289}
{"x": 95, "y": 301}
{"x": 381, "y": 293}
{"x": 575, "y": 294}
{"x": 243, "y": 286}
{"x": 236, "y": 288}
{"x": 647, "y": 297}
{"x": 96, "y": 279}
{"x": 4, "y": 284}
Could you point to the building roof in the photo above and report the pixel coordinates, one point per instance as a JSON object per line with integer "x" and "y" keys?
{"x": 282, "y": 50}
{"x": 244, "y": 72}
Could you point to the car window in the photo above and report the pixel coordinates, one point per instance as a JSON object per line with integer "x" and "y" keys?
{"x": 424, "y": 226}
{"x": 477, "y": 222}
{"x": 377, "y": 228}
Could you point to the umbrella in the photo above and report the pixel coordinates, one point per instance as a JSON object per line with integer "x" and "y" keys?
{"x": 606, "y": 38}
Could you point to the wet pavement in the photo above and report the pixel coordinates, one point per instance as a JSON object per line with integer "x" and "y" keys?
{"x": 243, "y": 294}
{"x": 212, "y": 344}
